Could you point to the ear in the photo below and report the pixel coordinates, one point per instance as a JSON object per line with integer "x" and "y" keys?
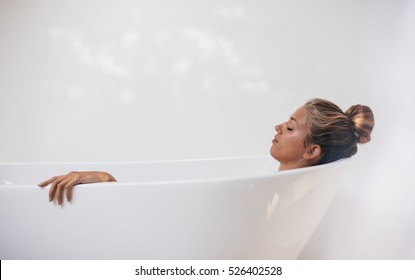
{"x": 312, "y": 152}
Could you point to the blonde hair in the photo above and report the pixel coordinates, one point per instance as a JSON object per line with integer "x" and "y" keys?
{"x": 337, "y": 132}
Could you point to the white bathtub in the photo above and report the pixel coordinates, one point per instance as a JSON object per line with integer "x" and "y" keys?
{"x": 237, "y": 208}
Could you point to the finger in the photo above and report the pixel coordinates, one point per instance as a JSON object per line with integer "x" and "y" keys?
{"x": 53, "y": 187}
{"x": 60, "y": 190}
{"x": 69, "y": 187}
{"x": 47, "y": 182}
{"x": 52, "y": 191}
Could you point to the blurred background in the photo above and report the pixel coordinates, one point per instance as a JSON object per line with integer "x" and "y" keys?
{"x": 145, "y": 80}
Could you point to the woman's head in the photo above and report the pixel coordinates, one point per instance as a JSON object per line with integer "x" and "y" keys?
{"x": 320, "y": 132}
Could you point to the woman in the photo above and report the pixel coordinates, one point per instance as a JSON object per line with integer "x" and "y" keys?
{"x": 319, "y": 132}
{"x": 316, "y": 133}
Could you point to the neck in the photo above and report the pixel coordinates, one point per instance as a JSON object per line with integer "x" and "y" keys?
{"x": 292, "y": 165}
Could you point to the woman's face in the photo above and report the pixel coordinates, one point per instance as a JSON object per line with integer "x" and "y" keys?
{"x": 288, "y": 144}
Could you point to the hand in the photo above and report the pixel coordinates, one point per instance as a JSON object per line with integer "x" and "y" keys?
{"x": 65, "y": 183}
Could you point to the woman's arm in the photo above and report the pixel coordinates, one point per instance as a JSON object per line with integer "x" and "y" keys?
{"x": 65, "y": 183}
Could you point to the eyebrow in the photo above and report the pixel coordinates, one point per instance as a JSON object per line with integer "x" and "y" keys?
{"x": 292, "y": 118}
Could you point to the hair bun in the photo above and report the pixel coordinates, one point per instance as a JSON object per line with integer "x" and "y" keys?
{"x": 363, "y": 121}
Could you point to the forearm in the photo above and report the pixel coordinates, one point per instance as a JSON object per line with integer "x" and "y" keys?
{"x": 95, "y": 177}
{"x": 106, "y": 177}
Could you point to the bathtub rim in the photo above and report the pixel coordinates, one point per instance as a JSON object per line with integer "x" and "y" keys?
{"x": 224, "y": 179}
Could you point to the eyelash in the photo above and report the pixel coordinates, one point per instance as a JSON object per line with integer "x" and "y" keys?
{"x": 289, "y": 129}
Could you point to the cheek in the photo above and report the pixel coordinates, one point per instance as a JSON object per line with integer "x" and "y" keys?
{"x": 294, "y": 139}
{"x": 291, "y": 144}
{"x": 295, "y": 143}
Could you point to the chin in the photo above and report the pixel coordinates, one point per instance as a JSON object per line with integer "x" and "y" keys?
{"x": 273, "y": 154}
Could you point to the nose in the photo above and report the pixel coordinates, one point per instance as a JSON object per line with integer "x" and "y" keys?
{"x": 278, "y": 128}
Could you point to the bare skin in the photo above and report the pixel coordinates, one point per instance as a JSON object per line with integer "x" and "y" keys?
{"x": 287, "y": 148}
{"x": 288, "y": 145}
{"x": 64, "y": 184}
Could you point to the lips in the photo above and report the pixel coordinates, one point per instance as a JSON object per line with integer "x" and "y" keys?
{"x": 275, "y": 139}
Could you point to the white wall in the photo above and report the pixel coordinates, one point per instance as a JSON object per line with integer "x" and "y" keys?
{"x": 137, "y": 80}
